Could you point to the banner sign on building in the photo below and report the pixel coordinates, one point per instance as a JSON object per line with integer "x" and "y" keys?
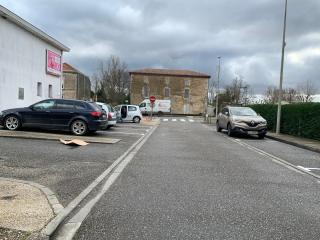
{"x": 53, "y": 63}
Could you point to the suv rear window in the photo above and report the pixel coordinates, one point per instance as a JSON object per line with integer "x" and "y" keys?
{"x": 94, "y": 106}
{"x": 79, "y": 106}
{"x": 63, "y": 104}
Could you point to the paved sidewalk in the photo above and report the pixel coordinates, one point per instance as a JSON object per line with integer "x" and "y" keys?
{"x": 309, "y": 144}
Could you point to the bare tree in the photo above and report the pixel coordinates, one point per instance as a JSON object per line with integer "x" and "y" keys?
{"x": 237, "y": 91}
{"x": 212, "y": 91}
{"x": 305, "y": 91}
{"x": 113, "y": 79}
{"x": 271, "y": 95}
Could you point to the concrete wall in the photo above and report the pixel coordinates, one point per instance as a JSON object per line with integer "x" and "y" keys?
{"x": 76, "y": 86}
{"x": 22, "y": 65}
{"x": 198, "y": 88}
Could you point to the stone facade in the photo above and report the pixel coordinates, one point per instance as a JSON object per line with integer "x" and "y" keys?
{"x": 187, "y": 90}
{"x": 76, "y": 84}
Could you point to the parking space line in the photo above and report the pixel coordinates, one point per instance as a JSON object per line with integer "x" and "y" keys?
{"x": 174, "y": 120}
{"x": 166, "y": 120}
{"x": 127, "y": 133}
{"x": 191, "y": 120}
{"x": 182, "y": 120}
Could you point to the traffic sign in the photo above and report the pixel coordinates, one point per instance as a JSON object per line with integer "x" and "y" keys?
{"x": 152, "y": 99}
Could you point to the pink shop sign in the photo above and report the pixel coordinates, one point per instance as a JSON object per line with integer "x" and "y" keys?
{"x": 53, "y": 63}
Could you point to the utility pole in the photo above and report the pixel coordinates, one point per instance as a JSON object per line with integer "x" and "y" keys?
{"x": 281, "y": 70}
{"x": 218, "y": 88}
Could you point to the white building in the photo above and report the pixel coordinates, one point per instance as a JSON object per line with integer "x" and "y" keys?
{"x": 30, "y": 62}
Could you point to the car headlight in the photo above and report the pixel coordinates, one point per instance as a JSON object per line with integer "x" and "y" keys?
{"x": 263, "y": 122}
{"x": 237, "y": 121}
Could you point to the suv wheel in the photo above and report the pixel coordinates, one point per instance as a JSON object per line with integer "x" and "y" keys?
{"x": 136, "y": 119}
{"x": 230, "y": 132}
{"x": 218, "y": 127}
{"x": 12, "y": 122}
{"x": 79, "y": 127}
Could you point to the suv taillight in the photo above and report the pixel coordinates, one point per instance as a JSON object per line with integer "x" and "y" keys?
{"x": 109, "y": 115}
{"x": 96, "y": 114}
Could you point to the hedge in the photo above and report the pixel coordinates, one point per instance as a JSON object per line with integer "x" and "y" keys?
{"x": 299, "y": 119}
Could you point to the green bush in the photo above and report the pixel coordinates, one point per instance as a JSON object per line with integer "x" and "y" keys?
{"x": 299, "y": 119}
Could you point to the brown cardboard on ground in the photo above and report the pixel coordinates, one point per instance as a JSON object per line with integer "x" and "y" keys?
{"x": 77, "y": 142}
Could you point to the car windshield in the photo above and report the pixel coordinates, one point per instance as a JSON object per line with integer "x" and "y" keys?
{"x": 242, "y": 111}
{"x": 110, "y": 108}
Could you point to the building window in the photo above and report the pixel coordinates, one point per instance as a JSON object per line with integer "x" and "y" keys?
{"x": 187, "y": 82}
{"x": 21, "y": 93}
{"x": 186, "y": 93}
{"x": 145, "y": 91}
{"x": 50, "y": 91}
{"x": 166, "y": 92}
{"x": 39, "y": 89}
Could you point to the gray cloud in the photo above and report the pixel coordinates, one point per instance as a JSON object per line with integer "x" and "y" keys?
{"x": 186, "y": 35}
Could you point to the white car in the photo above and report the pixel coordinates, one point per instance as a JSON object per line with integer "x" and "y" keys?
{"x": 128, "y": 113}
{"x": 112, "y": 117}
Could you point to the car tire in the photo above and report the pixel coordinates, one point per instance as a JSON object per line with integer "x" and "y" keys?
{"x": 218, "y": 127}
{"x": 12, "y": 122}
{"x": 108, "y": 127}
{"x": 230, "y": 132}
{"x": 79, "y": 127}
{"x": 136, "y": 120}
{"x": 261, "y": 136}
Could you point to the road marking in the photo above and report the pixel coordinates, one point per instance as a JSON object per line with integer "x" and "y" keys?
{"x": 69, "y": 229}
{"x": 174, "y": 120}
{"x": 182, "y": 120}
{"x": 55, "y": 222}
{"x": 309, "y": 169}
{"x": 127, "y": 133}
{"x": 191, "y": 120}
{"x": 166, "y": 120}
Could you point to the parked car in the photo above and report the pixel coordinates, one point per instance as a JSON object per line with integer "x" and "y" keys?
{"x": 80, "y": 117}
{"x": 242, "y": 120}
{"x": 112, "y": 116}
{"x": 128, "y": 113}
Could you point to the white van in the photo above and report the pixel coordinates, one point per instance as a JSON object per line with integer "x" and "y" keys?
{"x": 160, "y": 106}
{"x": 128, "y": 113}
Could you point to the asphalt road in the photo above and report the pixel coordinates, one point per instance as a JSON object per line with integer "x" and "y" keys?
{"x": 190, "y": 182}
{"x": 64, "y": 169}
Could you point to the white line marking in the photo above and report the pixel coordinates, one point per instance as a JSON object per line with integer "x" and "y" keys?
{"x": 182, "y": 120}
{"x": 166, "y": 120}
{"x": 191, "y": 120}
{"x": 174, "y": 120}
{"x": 127, "y": 133}
{"x": 69, "y": 229}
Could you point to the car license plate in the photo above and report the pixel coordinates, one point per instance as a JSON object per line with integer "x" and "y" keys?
{"x": 252, "y": 132}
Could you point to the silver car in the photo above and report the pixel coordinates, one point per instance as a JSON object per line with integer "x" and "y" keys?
{"x": 241, "y": 120}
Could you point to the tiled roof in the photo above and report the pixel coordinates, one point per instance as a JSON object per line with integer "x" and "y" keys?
{"x": 170, "y": 72}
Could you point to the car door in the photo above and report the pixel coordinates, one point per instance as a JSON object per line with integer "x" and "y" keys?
{"x": 132, "y": 112}
{"x": 124, "y": 112}
{"x": 224, "y": 118}
{"x": 62, "y": 113}
{"x": 39, "y": 115}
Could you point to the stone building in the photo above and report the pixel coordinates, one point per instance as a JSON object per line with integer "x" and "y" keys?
{"x": 76, "y": 85}
{"x": 186, "y": 89}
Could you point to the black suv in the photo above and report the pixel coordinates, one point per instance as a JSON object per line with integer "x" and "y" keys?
{"x": 80, "y": 117}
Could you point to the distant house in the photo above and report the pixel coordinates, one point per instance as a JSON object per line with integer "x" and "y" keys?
{"x": 76, "y": 85}
{"x": 186, "y": 89}
{"x": 30, "y": 62}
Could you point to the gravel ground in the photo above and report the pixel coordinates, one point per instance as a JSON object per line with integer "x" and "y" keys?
{"x": 10, "y": 234}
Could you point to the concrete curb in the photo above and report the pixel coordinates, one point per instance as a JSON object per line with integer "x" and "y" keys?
{"x": 51, "y": 197}
{"x": 294, "y": 143}
{"x": 52, "y": 200}
{"x": 56, "y": 221}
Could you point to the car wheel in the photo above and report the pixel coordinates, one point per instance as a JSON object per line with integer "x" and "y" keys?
{"x": 12, "y": 122}
{"x": 218, "y": 127}
{"x": 230, "y": 132}
{"x": 136, "y": 119}
{"x": 109, "y": 126}
{"x": 79, "y": 127}
{"x": 261, "y": 136}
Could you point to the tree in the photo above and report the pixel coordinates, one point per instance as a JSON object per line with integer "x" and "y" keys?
{"x": 237, "y": 91}
{"x": 212, "y": 91}
{"x": 305, "y": 91}
{"x": 113, "y": 81}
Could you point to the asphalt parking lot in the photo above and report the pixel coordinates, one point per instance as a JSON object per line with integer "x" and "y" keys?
{"x": 66, "y": 170}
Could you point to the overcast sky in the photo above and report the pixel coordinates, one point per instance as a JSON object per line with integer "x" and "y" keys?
{"x": 181, "y": 34}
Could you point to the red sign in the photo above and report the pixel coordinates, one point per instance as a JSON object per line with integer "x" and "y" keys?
{"x": 53, "y": 63}
{"x": 152, "y": 99}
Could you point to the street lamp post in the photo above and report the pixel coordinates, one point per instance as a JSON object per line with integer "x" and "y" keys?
{"x": 281, "y": 70}
{"x": 218, "y": 87}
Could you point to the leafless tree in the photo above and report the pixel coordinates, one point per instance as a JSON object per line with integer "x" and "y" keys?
{"x": 271, "y": 95}
{"x": 212, "y": 91}
{"x": 305, "y": 91}
{"x": 113, "y": 78}
{"x": 237, "y": 91}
